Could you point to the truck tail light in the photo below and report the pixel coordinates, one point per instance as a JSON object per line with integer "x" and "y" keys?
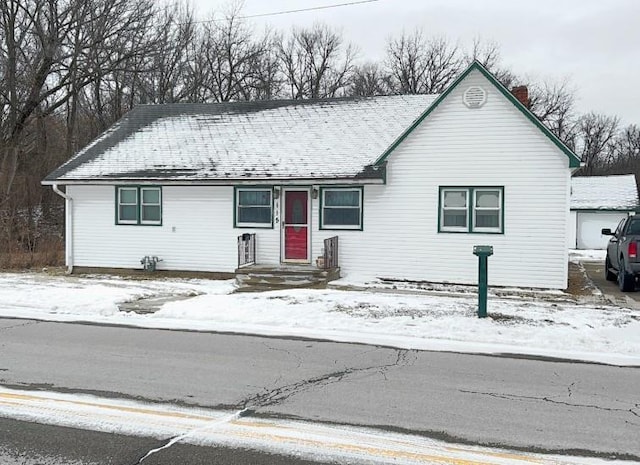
{"x": 633, "y": 249}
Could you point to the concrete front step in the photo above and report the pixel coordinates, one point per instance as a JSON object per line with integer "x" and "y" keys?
{"x": 265, "y": 278}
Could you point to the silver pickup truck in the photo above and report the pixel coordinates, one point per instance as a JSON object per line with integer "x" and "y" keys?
{"x": 622, "y": 263}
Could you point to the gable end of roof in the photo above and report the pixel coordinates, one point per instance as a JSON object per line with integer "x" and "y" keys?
{"x": 574, "y": 161}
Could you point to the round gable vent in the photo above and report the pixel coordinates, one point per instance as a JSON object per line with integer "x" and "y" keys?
{"x": 474, "y": 97}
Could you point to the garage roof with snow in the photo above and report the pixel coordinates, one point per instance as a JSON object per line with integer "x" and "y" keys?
{"x": 604, "y": 192}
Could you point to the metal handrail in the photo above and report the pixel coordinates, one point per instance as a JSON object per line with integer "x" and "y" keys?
{"x": 246, "y": 249}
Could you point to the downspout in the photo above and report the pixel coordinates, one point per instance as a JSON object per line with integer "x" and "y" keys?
{"x": 68, "y": 227}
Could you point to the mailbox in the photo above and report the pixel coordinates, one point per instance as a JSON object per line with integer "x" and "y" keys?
{"x": 483, "y": 250}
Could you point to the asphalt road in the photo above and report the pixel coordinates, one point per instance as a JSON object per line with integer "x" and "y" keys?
{"x": 23, "y": 443}
{"x": 521, "y": 404}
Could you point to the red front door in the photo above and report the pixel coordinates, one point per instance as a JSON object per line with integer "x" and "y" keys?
{"x": 296, "y": 225}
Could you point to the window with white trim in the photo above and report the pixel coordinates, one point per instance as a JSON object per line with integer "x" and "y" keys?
{"x": 341, "y": 208}
{"x": 254, "y": 207}
{"x": 127, "y": 205}
{"x": 139, "y": 205}
{"x": 487, "y": 210}
{"x": 454, "y": 215}
{"x": 471, "y": 209}
{"x": 150, "y": 205}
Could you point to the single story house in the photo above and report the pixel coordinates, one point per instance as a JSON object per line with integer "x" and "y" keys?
{"x": 599, "y": 202}
{"x": 408, "y": 183}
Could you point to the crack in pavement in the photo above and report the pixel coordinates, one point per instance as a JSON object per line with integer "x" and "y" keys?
{"x": 631, "y": 410}
{"x": 569, "y": 388}
{"x": 288, "y": 352}
{"x": 28, "y": 323}
{"x": 278, "y": 395}
{"x": 271, "y": 397}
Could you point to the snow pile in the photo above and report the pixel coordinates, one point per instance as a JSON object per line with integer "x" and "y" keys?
{"x": 587, "y": 255}
{"x": 543, "y": 325}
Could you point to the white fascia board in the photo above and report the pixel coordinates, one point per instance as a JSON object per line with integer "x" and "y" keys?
{"x": 226, "y": 182}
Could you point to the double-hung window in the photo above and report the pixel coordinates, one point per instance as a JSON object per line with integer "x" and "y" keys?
{"x": 150, "y": 205}
{"x": 139, "y": 205}
{"x": 253, "y": 207}
{"x": 471, "y": 209}
{"x": 341, "y": 208}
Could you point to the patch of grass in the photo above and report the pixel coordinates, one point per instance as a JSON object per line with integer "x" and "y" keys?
{"x": 375, "y": 312}
{"x": 48, "y": 253}
{"x": 579, "y": 283}
{"x": 502, "y": 318}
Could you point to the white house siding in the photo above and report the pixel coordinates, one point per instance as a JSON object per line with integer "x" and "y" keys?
{"x": 495, "y": 145}
{"x": 197, "y": 231}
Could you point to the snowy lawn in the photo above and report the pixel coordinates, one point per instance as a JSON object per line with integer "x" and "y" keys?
{"x": 539, "y": 324}
{"x": 587, "y": 255}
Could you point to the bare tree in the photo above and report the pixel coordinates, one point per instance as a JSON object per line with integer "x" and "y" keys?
{"x": 45, "y": 47}
{"x": 171, "y": 73}
{"x": 488, "y": 54}
{"x": 315, "y": 63}
{"x": 369, "y": 80}
{"x": 124, "y": 56}
{"x": 230, "y": 55}
{"x": 418, "y": 65}
{"x": 625, "y": 152}
{"x": 553, "y": 104}
{"x": 596, "y": 134}
{"x": 485, "y": 53}
{"x": 265, "y": 81}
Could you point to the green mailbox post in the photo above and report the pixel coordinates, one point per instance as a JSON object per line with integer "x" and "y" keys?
{"x": 483, "y": 252}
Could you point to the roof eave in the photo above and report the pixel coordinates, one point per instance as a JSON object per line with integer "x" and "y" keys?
{"x": 604, "y": 209}
{"x": 215, "y": 182}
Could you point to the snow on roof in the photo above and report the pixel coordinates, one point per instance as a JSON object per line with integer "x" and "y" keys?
{"x": 315, "y": 139}
{"x": 604, "y": 192}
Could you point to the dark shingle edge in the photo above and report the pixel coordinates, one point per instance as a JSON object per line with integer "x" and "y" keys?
{"x": 144, "y": 115}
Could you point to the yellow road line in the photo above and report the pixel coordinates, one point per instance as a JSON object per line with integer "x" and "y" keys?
{"x": 121, "y": 408}
{"x": 255, "y": 429}
{"x": 425, "y": 458}
{"x": 502, "y": 455}
{"x": 258, "y": 424}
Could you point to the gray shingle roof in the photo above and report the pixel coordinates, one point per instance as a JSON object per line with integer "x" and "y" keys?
{"x": 268, "y": 140}
{"x": 604, "y": 192}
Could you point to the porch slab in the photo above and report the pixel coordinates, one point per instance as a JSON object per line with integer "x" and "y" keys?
{"x": 260, "y": 277}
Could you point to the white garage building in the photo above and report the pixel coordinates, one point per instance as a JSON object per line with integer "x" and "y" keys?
{"x": 599, "y": 202}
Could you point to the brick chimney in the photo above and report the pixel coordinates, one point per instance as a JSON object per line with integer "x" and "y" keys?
{"x": 522, "y": 94}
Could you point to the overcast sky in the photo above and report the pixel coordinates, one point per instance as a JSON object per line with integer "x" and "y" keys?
{"x": 593, "y": 43}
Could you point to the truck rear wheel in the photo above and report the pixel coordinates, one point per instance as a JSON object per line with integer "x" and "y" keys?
{"x": 626, "y": 281}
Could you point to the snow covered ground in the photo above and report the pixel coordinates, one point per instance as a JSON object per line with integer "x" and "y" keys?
{"x": 576, "y": 255}
{"x": 534, "y": 323}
